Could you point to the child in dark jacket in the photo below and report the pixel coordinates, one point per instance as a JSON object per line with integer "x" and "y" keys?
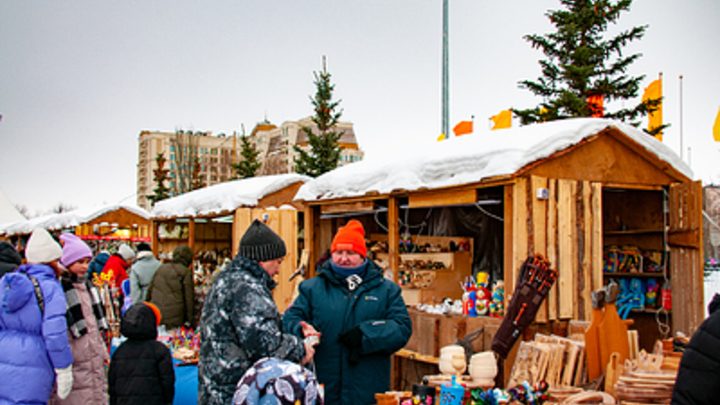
{"x": 141, "y": 370}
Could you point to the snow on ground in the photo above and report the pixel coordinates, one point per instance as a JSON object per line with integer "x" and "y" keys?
{"x": 224, "y": 197}
{"x": 471, "y": 158}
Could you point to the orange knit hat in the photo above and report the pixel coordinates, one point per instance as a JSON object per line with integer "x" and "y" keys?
{"x": 350, "y": 237}
{"x": 158, "y": 315}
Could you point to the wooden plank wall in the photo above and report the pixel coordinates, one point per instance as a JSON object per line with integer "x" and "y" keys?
{"x": 284, "y": 223}
{"x": 566, "y": 228}
{"x": 686, "y": 256}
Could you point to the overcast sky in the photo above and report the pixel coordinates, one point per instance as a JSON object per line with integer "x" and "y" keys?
{"x": 79, "y": 80}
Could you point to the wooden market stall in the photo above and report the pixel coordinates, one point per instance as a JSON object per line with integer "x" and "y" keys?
{"x": 103, "y": 227}
{"x": 575, "y": 191}
{"x": 212, "y": 221}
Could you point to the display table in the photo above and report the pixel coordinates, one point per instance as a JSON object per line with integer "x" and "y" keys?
{"x": 186, "y": 383}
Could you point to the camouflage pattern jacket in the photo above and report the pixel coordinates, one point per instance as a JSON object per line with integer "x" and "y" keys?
{"x": 240, "y": 325}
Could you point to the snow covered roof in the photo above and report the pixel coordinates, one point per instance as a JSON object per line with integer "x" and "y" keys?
{"x": 68, "y": 219}
{"x": 224, "y": 197}
{"x": 471, "y": 158}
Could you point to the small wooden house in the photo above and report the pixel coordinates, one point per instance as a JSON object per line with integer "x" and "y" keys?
{"x": 214, "y": 219}
{"x": 103, "y": 227}
{"x": 574, "y": 191}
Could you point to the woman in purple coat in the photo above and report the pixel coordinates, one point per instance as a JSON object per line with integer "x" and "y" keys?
{"x": 33, "y": 330}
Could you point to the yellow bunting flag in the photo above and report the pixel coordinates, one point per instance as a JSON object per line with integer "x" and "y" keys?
{"x": 502, "y": 120}
{"x": 716, "y": 127}
{"x": 655, "y": 118}
{"x": 441, "y": 137}
{"x": 463, "y": 127}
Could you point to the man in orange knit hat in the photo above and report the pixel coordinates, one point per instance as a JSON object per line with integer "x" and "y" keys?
{"x": 360, "y": 316}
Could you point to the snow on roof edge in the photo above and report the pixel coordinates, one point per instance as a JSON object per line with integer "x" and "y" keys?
{"x": 471, "y": 158}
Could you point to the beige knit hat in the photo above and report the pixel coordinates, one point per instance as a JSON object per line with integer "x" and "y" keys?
{"x": 42, "y": 248}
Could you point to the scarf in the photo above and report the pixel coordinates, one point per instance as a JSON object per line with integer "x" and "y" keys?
{"x": 74, "y": 315}
{"x": 352, "y": 275}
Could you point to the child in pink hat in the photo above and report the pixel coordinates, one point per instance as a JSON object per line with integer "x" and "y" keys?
{"x": 86, "y": 320}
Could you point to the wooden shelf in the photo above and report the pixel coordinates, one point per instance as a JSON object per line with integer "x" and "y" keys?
{"x": 409, "y": 354}
{"x": 633, "y": 232}
{"x": 650, "y": 310}
{"x": 631, "y": 275}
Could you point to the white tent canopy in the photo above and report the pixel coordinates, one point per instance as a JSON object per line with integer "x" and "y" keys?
{"x": 8, "y": 212}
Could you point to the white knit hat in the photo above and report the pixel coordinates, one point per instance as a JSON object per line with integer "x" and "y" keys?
{"x": 126, "y": 252}
{"x": 42, "y": 248}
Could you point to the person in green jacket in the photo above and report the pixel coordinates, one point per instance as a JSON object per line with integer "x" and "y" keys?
{"x": 173, "y": 291}
{"x": 360, "y": 316}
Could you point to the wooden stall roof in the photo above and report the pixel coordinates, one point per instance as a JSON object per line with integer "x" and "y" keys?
{"x": 587, "y": 149}
{"x": 120, "y": 214}
{"x": 224, "y": 198}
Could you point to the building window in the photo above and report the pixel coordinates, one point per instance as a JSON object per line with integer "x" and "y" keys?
{"x": 172, "y": 148}
{"x": 172, "y": 166}
{"x": 172, "y": 157}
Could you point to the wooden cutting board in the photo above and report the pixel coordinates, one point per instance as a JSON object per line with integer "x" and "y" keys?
{"x": 592, "y": 345}
{"x": 613, "y": 337}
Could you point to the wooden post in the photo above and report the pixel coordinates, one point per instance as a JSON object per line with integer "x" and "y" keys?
{"x": 393, "y": 236}
{"x": 191, "y": 234}
{"x": 154, "y": 237}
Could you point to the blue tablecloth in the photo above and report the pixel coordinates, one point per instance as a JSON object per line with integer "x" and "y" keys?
{"x": 186, "y": 384}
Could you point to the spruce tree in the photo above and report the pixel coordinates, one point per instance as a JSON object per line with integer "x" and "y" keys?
{"x": 160, "y": 175}
{"x": 581, "y": 63}
{"x": 197, "y": 180}
{"x": 324, "y": 153}
{"x": 249, "y": 164}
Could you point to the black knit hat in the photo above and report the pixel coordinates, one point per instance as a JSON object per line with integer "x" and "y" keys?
{"x": 143, "y": 247}
{"x": 260, "y": 243}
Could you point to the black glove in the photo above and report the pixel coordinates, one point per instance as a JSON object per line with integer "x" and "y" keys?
{"x": 352, "y": 338}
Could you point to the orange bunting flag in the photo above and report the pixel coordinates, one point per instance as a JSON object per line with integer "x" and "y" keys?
{"x": 463, "y": 127}
{"x": 595, "y": 103}
{"x": 502, "y": 120}
{"x": 716, "y": 127}
{"x": 655, "y": 118}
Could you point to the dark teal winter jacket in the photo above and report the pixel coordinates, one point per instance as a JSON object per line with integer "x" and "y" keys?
{"x": 377, "y": 307}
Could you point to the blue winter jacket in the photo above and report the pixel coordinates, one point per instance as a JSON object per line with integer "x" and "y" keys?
{"x": 377, "y": 307}
{"x": 32, "y": 345}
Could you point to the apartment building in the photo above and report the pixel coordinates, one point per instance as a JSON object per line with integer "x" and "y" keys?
{"x": 276, "y": 144}
{"x": 215, "y": 154}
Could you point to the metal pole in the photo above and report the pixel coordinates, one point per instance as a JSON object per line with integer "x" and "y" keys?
{"x": 445, "y": 75}
{"x": 681, "y": 123}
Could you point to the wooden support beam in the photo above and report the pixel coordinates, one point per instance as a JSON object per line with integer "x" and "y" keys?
{"x": 567, "y": 256}
{"x": 585, "y": 250}
{"x": 437, "y": 199}
{"x": 597, "y": 237}
{"x": 312, "y": 220}
{"x": 552, "y": 237}
{"x": 359, "y": 206}
{"x": 191, "y": 234}
{"x": 520, "y": 227}
{"x": 539, "y": 214}
{"x": 393, "y": 236}
{"x": 509, "y": 237}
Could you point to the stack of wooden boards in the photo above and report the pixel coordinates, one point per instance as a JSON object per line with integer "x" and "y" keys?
{"x": 638, "y": 388}
{"x": 556, "y": 360}
{"x": 650, "y": 378}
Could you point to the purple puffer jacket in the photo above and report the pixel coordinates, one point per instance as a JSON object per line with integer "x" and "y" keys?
{"x": 31, "y": 346}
